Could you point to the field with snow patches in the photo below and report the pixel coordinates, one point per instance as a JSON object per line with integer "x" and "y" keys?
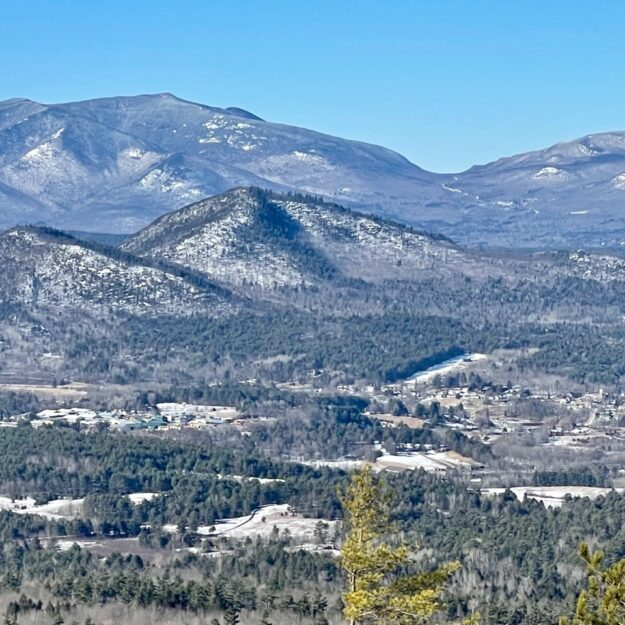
{"x": 456, "y": 364}
{"x": 261, "y": 523}
{"x": 54, "y": 510}
{"x": 432, "y": 462}
{"x": 552, "y": 496}
{"x": 139, "y": 498}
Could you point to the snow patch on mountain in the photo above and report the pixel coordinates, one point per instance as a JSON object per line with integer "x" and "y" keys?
{"x": 599, "y": 267}
{"x": 223, "y": 129}
{"x": 619, "y": 181}
{"x": 550, "y": 173}
{"x": 45, "y": 166}
{"x": 166, "y": 182}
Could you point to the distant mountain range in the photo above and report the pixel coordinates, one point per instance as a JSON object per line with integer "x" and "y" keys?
{"x": 114, "y": 165}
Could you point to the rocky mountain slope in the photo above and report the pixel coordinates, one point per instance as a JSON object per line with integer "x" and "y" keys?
{"x": 64, "y": 303}
{"x": 46, "y": 270}
{"x": 254, "y": 237}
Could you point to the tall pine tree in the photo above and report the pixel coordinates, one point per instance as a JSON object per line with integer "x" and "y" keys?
{"x": 379, "y": 588}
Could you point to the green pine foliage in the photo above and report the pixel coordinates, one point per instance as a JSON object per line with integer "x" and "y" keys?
{"x": 603, "y": 600}
{"x": 381, "y": 588}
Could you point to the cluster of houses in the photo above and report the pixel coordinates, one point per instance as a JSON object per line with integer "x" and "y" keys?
{"x": 173, "y": 416}
{"x": 573, "y": 419}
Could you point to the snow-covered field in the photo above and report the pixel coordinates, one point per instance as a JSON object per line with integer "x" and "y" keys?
{"x": 173, "y": 411}
{"x": 452, "y": 365}
{"x": 139, "y": 498}
{"x": 54, "y": 510}
{"x": 346, "y": 465}
{"x": 552, "y": 496}
{"x": 65, "y": 544}
{"x": 71, "y": 415}
{"x": 410, "y": 462}
{"x": 262, "y": 523}
{"x": 243, "y": 478}
{"x": 432, "y": 462}
{"x": 59, "y": 508}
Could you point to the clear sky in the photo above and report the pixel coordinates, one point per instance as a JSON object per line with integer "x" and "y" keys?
{"x": 446, "y": 83}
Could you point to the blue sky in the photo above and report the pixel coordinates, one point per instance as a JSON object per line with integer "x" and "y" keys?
{"x": 446, "y": 83}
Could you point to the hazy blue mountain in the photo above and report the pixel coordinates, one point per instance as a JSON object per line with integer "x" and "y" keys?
{"x": 569, "y": 195}
{"x": 114, "y": 165}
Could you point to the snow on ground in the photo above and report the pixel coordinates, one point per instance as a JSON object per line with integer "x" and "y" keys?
{"x": 53, "y": 510}
{"x": 170, "y": 528}
{"x": 552, "y": 496}
{"x": 410, "y": 462}
{"x": 453, "y": 364}
{"x": 65, "y": 544}
{"x": 262, "y": 522}
{"x": 314, "y": 548}
{"x": 453, "y": 459}
{"x": 71, "y": 415}
{"x": 346, "y": 465}
{"x": 431, "y": 461}
{"x": 243, "y": 478}
{"x": 550, "y": 172}
{"x": 172, "y": 410}
{"x": 452, "y": 189}
{"x": 619, "y": 181}
{"x": 410, "y": 422}
{"x": 139, "y": 498}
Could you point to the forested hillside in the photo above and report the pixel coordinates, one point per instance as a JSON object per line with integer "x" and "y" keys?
{"x": 254, "y": 284}
{"x": 519, "y": 562}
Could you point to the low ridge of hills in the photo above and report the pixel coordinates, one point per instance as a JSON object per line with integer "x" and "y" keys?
{"x": 250, "y": 236}
{"x": 44, "y": 269}
{"x": 257, "y": 281}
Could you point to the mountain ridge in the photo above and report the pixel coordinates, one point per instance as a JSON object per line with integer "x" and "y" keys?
{"x": 115, "y": 164}
{"x": 244, "y": 232}
{"x": 279, "y": 283}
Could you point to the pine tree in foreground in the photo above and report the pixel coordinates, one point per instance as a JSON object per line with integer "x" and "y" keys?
{"x": 603, "y": 601}
{"x": 378, "y": 588}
